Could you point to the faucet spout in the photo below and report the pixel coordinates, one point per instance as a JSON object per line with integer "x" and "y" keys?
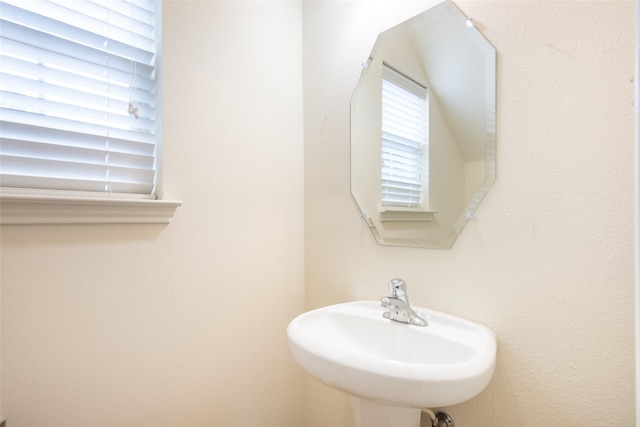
{"x": 398, "y": 305}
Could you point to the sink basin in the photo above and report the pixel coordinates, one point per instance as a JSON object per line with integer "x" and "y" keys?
{"x": 352, "y": 348}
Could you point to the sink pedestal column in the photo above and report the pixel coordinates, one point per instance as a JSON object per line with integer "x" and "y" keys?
{"x": 368, "y": 413}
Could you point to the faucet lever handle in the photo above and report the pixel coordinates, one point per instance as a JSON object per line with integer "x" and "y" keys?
{"x": 398, "y": 289}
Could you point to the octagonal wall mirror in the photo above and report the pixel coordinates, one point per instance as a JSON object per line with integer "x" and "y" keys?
{"x": 423, "y": 129}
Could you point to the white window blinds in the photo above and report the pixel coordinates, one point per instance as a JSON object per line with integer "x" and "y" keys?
{"x": 404, "y": 140}
{"x": 79, "y": 95}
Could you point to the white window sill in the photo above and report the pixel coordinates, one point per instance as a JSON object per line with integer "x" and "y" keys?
{"x": 43, "y": 209}
{"x": 397, "y": 214}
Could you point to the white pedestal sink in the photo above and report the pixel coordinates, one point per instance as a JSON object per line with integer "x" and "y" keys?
{"x": 392, "y": 370}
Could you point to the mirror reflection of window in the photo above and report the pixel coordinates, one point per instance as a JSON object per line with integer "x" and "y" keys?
{"x": 405, "y": 141}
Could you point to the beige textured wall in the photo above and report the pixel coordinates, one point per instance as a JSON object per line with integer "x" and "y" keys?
{"x": 548, "y": 261}
{"x": 183, "y": 325}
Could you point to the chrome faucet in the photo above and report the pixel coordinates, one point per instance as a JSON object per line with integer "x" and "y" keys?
{"x": 398, "y": 305}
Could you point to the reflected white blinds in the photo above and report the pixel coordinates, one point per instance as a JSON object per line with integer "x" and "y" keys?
{"x": 404, "y": 140}
{"x": 78, "y": 95}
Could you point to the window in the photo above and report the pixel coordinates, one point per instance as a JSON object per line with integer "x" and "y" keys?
{"x": 79, "y": 104}
{"x": 405, "y": 135}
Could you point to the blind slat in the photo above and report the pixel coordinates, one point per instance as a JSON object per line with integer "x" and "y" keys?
{"x": 66, "y": 184}
{"x": 42, "y": 125}
{"x": 25, "y": 133}
{"x": 54, "y": 152}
